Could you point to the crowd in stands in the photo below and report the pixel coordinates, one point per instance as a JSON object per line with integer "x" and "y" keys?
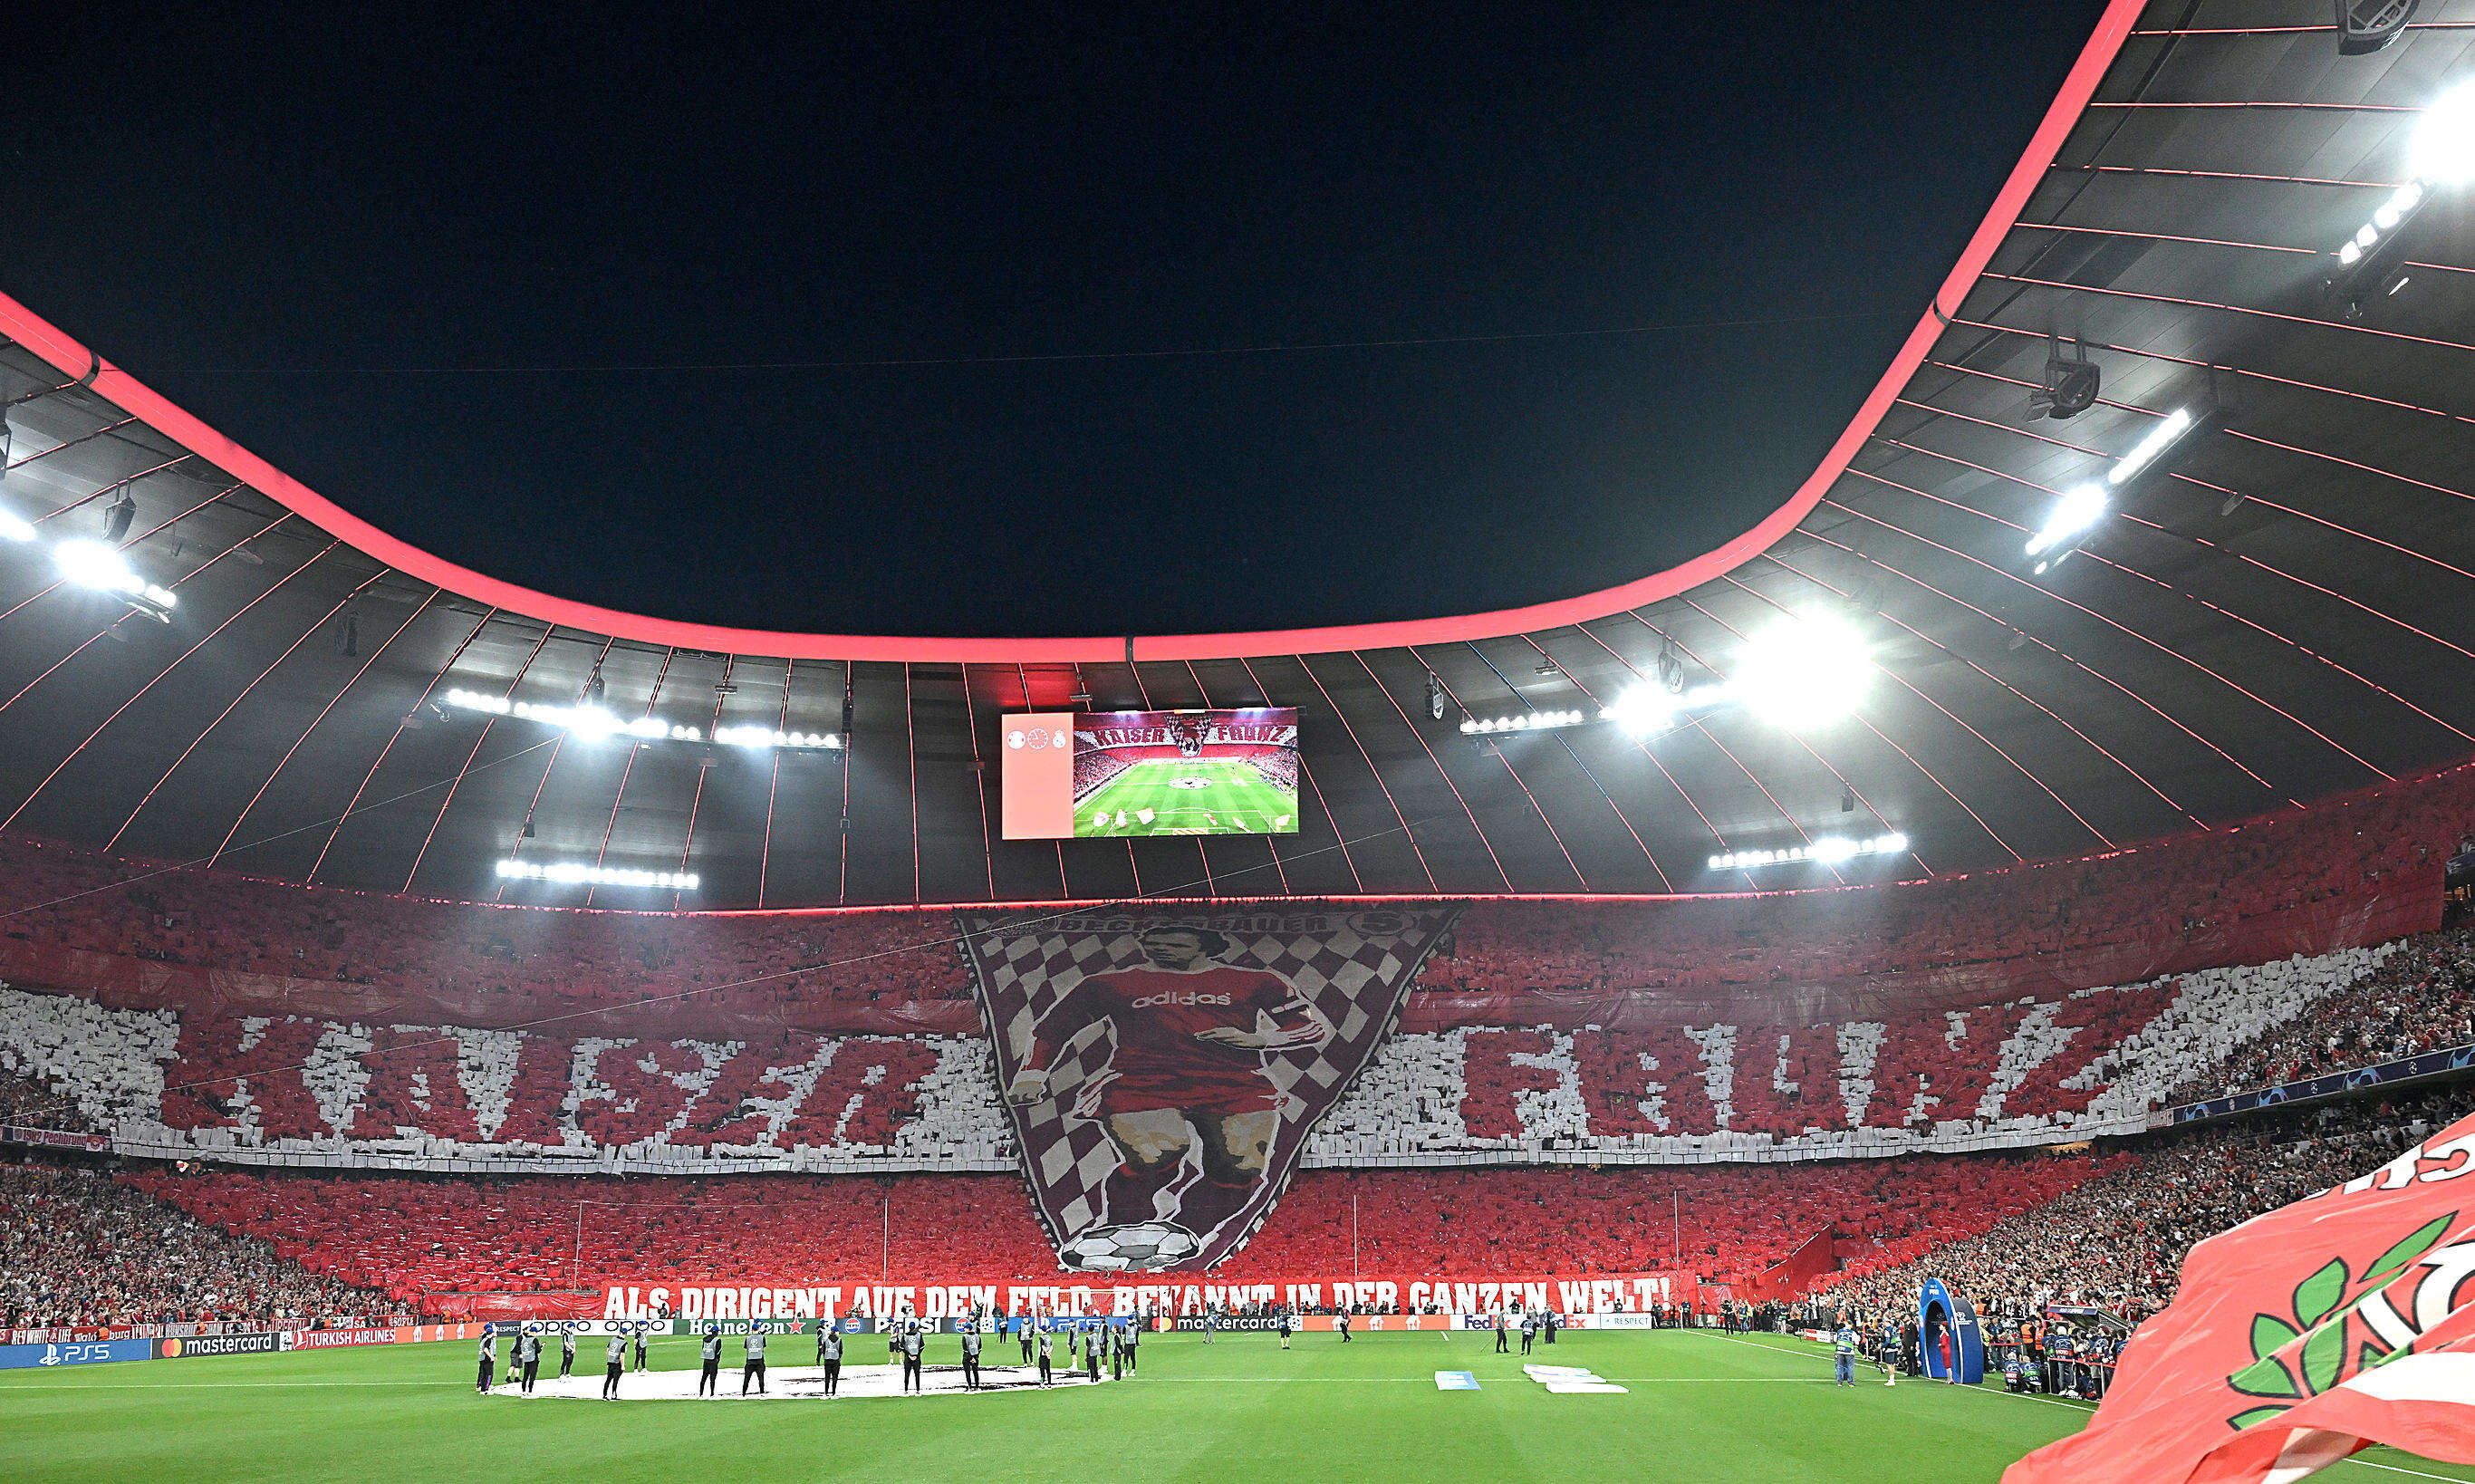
{"x": 61, "y": 897}
{"x": 2334, "y": 851}
{"x": 79, "y": 1248}
{"x": 30, "y": 1105}
{"x": 2339, "y": 851}
{"x": 415, "y": 1236}
{"x": 2117, "y": 1241}
{"x": 2420, "y": 999}
{"x": 1278, "y": 765}
{"x": 1725, "y": 1222}
{"x": 1095, "y": 769}
{"x": 412, "y": 1237}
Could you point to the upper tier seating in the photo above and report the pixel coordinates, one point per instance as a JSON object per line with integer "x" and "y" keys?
{"x": 2017, "y": 920}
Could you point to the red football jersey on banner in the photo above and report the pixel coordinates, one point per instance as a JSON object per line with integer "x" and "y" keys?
{"x": 1155, "y": 1013}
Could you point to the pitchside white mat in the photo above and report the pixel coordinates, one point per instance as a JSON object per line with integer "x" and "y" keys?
{"x": 1570, "y": 1380}
{"x": 788, "y": 1383}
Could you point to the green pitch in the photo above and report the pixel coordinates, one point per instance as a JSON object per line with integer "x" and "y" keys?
{"x": 1699, "y": 1407}
{"x": 1185, "y": 797}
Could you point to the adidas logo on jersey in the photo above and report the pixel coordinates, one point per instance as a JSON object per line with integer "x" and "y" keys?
{"x": 1173, "y": 997}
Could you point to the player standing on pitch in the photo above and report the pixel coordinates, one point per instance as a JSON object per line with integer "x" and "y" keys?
{"x": 755, "y": 1368}
{"x": 1192, "y": 1034}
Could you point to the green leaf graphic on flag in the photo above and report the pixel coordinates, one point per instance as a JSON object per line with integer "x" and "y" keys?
{"x": 2270, "y": 1334}
{"x": 2416, "y": 1244}
{"x": 2322, "y": 1307}
{"x": 2265, "y": 1378}
{"x": 2324, "y": 1356}
{"x": 2315, "y": 1295}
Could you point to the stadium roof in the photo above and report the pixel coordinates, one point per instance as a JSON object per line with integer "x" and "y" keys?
{"x": 2279, "y": 614}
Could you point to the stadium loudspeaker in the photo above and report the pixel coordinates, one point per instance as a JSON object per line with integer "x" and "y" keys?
{"x": 2071, "y": 383}
{"x": 2368, "y": 25}
{"x": 1948, "y": 1338}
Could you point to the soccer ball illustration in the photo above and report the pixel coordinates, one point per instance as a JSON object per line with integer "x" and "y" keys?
{"x": 1143, "y": 1244}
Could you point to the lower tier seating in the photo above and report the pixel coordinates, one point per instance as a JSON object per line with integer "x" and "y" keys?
{"x": 412, "y": 1237}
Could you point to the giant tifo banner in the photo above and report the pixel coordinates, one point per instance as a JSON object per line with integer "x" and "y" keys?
{"x": 1162, "y": 1072}
{"x": 1651, "y": 1083}
{"x": 1170, "y": 1295}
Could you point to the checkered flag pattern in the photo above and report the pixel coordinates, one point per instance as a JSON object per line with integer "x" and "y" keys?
{"x": 1354, "y": 967}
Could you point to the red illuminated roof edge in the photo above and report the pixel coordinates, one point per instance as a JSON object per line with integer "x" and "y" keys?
{"x": 75, "y": 361}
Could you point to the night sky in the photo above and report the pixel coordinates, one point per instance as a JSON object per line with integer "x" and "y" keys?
{"x": 601, "y": 300}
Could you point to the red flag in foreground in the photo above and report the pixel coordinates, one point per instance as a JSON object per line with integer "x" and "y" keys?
{"x": 2301, "y": 1336}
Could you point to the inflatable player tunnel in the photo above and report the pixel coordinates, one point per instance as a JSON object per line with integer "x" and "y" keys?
{"x": 1948, "y": 1336}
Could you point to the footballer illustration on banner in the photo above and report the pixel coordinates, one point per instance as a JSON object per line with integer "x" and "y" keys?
{"x": 1162, "y": 1072}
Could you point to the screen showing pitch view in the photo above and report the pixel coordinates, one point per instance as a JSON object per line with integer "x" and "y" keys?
{"x": 1093, "y": 774}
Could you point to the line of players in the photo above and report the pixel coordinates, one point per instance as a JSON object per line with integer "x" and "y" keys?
{"x": 1120, "y": 1339}
{"x": 525, "y": 1355}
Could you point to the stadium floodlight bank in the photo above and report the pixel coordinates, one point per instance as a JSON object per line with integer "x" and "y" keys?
{"x": 2373, "y": 264}
{"x": 2077, "y": 510}
{"x": 100, "y": 566}
{"x": 575, "y": 872}
{"x": 1528, "y": 721}
{"x": 592, "y": 722}
{"x": 1828, "y": 850}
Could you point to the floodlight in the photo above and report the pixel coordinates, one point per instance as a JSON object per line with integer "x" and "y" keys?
{"x": 576, "y": 873}
{"x": 2073, "y": 514}
{"x": 2148, "y": 450}
{"x": 93, "y": 564}
{"x": 1525, "y": 721}
{"x": 1644, "y": 708}
{"x": 1830, "y": 850}
{"x": 1804, "y": 671}
{"x": 14, "y": 528}
{"x": 2443, "y": 152}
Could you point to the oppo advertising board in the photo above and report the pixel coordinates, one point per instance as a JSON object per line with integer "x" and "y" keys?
{"x": 1102, "y": 775}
